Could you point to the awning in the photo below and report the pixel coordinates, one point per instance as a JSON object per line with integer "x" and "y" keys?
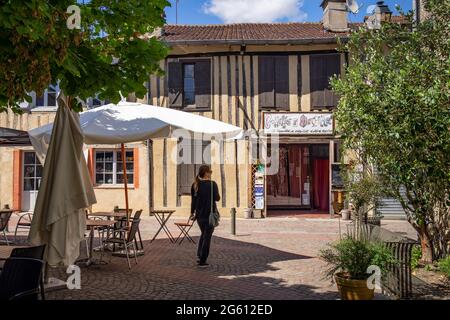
{"x": 11, "y": 137}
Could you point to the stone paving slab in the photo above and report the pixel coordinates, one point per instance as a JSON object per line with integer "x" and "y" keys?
{"x": 273, "y": 259}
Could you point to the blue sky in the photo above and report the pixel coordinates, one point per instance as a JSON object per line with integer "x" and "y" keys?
{"x": 230, "y": 11}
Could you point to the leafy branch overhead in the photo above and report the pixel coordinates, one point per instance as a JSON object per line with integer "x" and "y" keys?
{"x": 111, "y": 51}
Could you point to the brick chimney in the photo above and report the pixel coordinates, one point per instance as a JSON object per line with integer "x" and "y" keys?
{"x": 380, "y": 14}
{"x": 419, "y": 10}
{"x": 335, "y": 15}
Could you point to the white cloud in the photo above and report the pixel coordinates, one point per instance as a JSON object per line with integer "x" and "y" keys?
{"x": 232, "y": 11}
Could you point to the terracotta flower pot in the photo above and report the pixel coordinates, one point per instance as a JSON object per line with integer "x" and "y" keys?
{"x": 351, "y": 289}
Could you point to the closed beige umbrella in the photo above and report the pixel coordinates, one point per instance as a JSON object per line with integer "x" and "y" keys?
{"x": 66, "y": 190}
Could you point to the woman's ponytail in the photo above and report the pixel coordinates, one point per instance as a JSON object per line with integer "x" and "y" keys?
{"x": 196, "y": 183}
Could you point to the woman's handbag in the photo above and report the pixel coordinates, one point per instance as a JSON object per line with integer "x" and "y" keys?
{"x": 214, "y": 216}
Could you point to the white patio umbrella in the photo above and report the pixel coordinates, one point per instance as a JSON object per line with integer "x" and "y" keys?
{"x": 66, "y": 190}
{"x": 132, "y": 122}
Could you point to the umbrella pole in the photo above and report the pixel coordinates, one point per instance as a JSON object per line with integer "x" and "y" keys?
{"x": 125, "y": 182}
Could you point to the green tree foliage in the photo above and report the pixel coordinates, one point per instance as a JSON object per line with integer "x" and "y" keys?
{"x": 444, "y": 266}
{"x": 109, "y": 52}
{"x": 394, "y": 112}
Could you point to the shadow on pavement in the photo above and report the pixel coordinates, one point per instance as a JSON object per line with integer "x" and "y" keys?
{"x": 168, "y": 271}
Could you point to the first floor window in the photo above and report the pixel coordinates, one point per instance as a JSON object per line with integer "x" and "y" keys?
{"x": 32, "y": 171}
{"x": 188, "y": 84}
{"x": 48, "y": 98}
{"x": 109, "y": 167}
{"x": 51, "y": 96}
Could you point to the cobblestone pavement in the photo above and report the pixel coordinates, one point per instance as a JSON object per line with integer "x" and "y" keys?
{"x": 272, "y": 259}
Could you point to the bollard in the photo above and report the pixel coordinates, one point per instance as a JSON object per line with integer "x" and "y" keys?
{"x": 233, "y": 221}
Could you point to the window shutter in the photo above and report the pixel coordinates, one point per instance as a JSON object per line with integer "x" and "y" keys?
{"x": 202, "y": 78}
{"x": 91, "y": 164}
{"x": 333, "y": 68}
{"x": 316, "y": 80}
{"x": 322, "y": 68}
{"x": 136, "y": 167}
{"x": 17, "y": 179}
{"x": 207, "y": 155}
{"x": 186, "y": 172}
{"x": 201, "y": 154}
{"x": 175, "y": 84}
{"x": 266, "y": 86}
{"x": 282, "y": 82}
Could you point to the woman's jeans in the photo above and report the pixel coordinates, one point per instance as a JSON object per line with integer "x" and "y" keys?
{"x": 205, "y": 240}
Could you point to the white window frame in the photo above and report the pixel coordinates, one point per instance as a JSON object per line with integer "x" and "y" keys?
{"x": 35, "y": 177}
{"x": 90, "y": 102}
{"x": 114, "y": 169}
{"x": 51, "y": 89}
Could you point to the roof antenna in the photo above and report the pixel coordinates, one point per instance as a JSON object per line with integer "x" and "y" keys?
{"x": 176, "y": 11}
{"x": 353, "y": 6}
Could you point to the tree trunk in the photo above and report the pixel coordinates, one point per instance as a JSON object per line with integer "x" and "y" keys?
{"x": 426, "y": 244}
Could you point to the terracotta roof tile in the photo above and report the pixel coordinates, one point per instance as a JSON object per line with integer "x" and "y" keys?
{"x": 293, "y": 32}
{"x": 248, "y": 32}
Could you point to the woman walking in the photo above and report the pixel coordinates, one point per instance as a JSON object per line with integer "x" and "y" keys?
{"x": 204, "y": 193}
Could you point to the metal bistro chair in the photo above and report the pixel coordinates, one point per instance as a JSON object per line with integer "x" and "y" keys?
{"x": 120, "y": 221}
{"x": 21, "y": 278}
{"x": 126, "y": 239}
{"x": 36, "y": 252}
{"x": 137, "y": 216}
{"x": 24, "y": 222}
{"x": 100, "y": 230}
{"x": 184, "y": 227}
{"x": 4, "y": 220}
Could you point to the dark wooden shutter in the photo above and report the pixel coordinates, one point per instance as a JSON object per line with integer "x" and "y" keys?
{"x": 333, "y": 68}
{"x": 266, "y": 77}
{"x": 199, "y": 148}
{"x": 206, "y": 149}
{"x": 185, "y": 170}
{"x": 322, "y": 68}
{"x": 175, "y": 84}
{"x": 282, "y": 82}
{"x": 186, "y": 177}
{"x": 316, "y": 67}
{"x": 202, "y": 78}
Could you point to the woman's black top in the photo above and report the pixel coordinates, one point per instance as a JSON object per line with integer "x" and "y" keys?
{"x": 201, "y": 200}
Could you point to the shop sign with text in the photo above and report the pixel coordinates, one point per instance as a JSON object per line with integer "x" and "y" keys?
{"x": 303, "y": 123}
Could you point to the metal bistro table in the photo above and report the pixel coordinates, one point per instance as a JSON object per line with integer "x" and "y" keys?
{"x": 162, "y": 216}
{"x": 92, "y": 224}
{"x": 108, "y": 215}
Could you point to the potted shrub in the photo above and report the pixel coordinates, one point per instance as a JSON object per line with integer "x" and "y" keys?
{"x": 364, "y": 191}
{"x": 348, "y": 262}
